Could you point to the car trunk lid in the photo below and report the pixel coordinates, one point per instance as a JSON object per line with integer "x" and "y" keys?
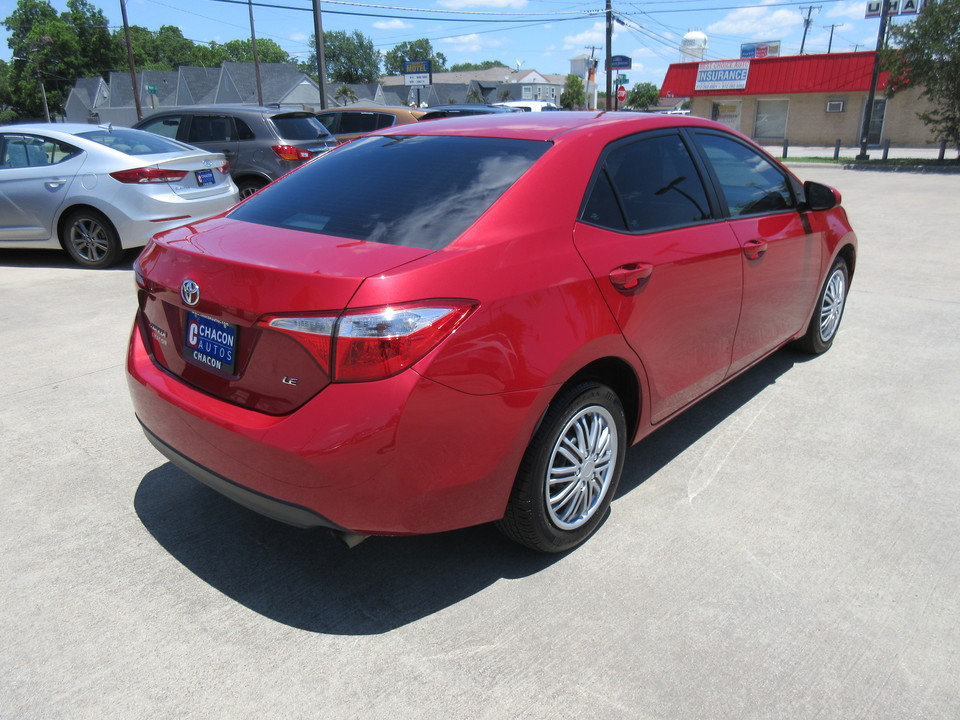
{"x": 227, "y": 272}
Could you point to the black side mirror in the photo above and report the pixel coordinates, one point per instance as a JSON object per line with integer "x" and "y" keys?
{"x": 819, "y": 197}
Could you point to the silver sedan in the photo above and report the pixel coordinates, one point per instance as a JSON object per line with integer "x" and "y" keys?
{"x": 95, "y": 191}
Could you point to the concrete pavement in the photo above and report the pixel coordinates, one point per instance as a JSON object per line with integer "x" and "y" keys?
{"x": 786, "y": 549}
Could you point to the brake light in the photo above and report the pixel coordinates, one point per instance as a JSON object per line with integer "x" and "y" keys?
{"x": 225, "y": 168}
{"x": 148, "y": 175}
{"x": 373, "y": 343}
{"x": 289, "y": 152}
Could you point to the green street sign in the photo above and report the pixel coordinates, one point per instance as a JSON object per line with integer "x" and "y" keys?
{"x": 151, "y": 89}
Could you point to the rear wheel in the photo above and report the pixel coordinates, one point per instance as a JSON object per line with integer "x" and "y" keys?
{"x": 828, "y": 312}
{"x": 90, "y": 239}
{"x": 570, "y": 471}
{"x": 248, "y": 186}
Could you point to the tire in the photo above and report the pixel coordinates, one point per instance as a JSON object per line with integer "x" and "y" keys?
{"x": 825, "y": 321}
{"x": 248, "y": 186}
{"x": 90, "y": 239}
{"x": 569, "y": 472}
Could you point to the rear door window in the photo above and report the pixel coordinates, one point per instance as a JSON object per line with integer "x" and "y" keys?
{"x": 418, "y": 191}
{"x": 646, "y": 184}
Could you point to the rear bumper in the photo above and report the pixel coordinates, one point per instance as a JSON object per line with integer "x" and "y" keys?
{"x": 398, "y": 456}
{"x": 271, "y": 507}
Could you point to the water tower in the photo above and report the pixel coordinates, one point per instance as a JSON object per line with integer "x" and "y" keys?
{"x": 693, "y": 47}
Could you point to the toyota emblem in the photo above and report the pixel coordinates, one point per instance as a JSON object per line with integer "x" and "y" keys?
{"x": 190, "y": 292}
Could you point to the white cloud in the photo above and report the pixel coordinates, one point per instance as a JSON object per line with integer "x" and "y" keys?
{"x": 757, "y": 22}
{"x": 595, "y": 36}
{"x": 499, "y": 4}
{"x": 299, "y": 37}
{"x": 392, "y": 25}
{"x": 471, "y": 43}
{"x": 853, "y": 10}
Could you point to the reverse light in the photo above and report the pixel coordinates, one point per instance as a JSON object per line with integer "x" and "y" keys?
{"x": 289, "y": 152}
{"x": 148, "y": 175}
{"x": 373, "y": 343}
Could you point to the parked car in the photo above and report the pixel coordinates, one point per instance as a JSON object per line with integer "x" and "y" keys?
{"x": 467, "y": 321}
{"x": 261, "y": 143}
{"x": 437, "y": 112}
{"x": 349, "y": 123}
{"x": 95, "y": 191}
{"x": 528, "y": 105}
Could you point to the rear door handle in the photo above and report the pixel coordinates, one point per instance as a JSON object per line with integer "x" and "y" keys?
{"x": 55, "y": 182}
{"x": 754, "y": 249}
{"x": 627, "y": 278}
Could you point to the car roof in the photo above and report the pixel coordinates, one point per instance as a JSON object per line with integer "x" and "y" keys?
{"x": 227, "y": 108}
{"x": 65, "y": 128}
{"x": 546, "y": 126}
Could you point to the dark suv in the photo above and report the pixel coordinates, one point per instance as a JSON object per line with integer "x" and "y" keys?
{"x": 261, "y": 143}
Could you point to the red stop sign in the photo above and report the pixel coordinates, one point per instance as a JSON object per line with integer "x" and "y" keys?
{"x": 621, "y": 93}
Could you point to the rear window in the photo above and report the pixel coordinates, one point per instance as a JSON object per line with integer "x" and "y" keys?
{"x": 299, "y": 127}
{"x": 418, "y": 191}
{"x": 134, "y": 142}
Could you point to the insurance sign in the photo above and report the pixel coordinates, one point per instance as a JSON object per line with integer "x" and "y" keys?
{"x": 722, "y": 75}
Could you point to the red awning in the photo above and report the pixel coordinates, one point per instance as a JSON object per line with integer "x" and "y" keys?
{"x": 828, "y": 73}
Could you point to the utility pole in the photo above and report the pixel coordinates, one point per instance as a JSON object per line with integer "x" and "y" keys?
{"x": 868, "y": 110}
{"x": 256, "y": 55}
{"x": 130, "y": 60}
{"x": 806, "y": 24}
{"x": 830, "y": 44}
{"x": 609, "y": 52}
{"x": 321, "y": 57}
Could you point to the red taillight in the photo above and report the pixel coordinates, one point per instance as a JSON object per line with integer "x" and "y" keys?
{"x": 289, "y": 152}
{"x": 225, "y": 168}
{"x": 373, "y": 343}
{"x": 149, "y": 175}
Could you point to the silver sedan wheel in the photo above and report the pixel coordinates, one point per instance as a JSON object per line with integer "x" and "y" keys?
{"x": 581, "y": 467}
{"x": 831, "y": 309}
{"x": 89, "y": 239}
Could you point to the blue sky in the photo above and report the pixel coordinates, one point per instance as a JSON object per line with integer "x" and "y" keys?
{"x": 539, "y": 34}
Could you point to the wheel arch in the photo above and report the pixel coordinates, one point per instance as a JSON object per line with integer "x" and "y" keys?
{"x": 67, "y": 211}
{"x": 617, "y": 374}
{"x": 849, "y": 254}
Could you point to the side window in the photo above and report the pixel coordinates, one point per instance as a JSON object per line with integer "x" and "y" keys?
{"x": 657, "y": 184}
{"x": 211, "y": 128}
{"x": 168, "y": 126}
{"x": 751, "y": 184}
{"x": 329, "y": 121}
{"x": 20, "y": 151}
{"x": 602, "y": 207}
{"x": 358, "y": 122}
{"x": 385, "y": 120}
{"x": 243, "y": 130}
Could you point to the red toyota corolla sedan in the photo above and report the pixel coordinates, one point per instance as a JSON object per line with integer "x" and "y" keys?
{"x": 470, "y": 320}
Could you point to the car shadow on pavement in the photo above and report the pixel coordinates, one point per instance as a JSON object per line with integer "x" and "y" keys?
{"x": 308, "y": 580}
{"x": 18, "y": 257}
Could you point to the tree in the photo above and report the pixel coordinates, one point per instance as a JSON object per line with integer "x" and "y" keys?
{"x": 573, "y": 95}
{"x": 413, "y": 50}
{"x": 473, "y": 67}
{"x": 54, "y": 50}
{"x": 345, "y": 94}
{"x": 642, "y": 96}
{"x": 349, "y": 58}
{"x": 928, "y": 56}
{"x": 241, "y": 51}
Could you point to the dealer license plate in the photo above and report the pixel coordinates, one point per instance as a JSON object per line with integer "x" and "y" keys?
{"x": 205, "y": 177}
{"x": 210, "y": 342}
